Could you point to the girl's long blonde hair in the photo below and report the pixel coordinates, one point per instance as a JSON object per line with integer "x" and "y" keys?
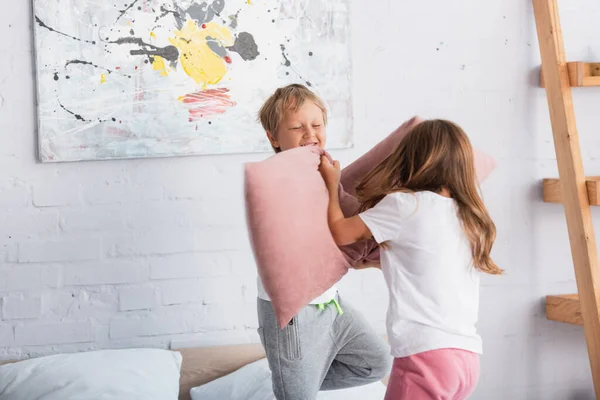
{"x": 437, "y": 155}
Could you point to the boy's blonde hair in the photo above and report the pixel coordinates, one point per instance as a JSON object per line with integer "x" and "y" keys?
{"x": 287, "y": 98}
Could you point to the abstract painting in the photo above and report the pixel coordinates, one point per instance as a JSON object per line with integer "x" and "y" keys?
{"x": 158, "y": 78}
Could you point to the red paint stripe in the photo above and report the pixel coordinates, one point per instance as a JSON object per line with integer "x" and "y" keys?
{"x": 208, "y": 102}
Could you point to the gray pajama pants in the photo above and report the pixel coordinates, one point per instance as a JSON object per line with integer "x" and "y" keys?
{"x": 321, "y": 350}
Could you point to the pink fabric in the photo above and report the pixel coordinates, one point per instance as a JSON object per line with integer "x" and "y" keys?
{"x": 444, "y": 374}
{"x": 286, "y": 210}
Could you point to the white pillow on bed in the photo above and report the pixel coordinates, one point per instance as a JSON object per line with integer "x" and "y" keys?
{"x": 253, "y": 382}
{"x": 96, "y": 375}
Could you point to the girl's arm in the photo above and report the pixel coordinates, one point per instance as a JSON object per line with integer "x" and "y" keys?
{"x": 344, "y": 230}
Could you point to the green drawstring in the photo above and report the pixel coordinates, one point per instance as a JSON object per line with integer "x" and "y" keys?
{"x": 321, "y": 306}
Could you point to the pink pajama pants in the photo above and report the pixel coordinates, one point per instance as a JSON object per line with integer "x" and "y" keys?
{"x": 444, "y": 374}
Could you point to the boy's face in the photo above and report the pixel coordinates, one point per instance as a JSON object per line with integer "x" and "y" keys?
{"x": 305, "y": 127}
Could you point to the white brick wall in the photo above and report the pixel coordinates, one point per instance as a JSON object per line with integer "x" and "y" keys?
{"x": 108, "y": 218}
{"x": 14, "y": 197}
{"x": 21, "y": 308}
{"x": 54, "y": 333}
{"x": 181, "y": 292}
{"x": 56, "y": 193}
{"x": 20, "y": 277}
{"x": 26, "y": 222}
{"x": 111, "y": 271}
{"x": 76, "y": 249}
{"x": 168, "y": 321}
{"x": 137, "y": 298}
{"x": 122, "y": 193}
{"x": 7, "y": 335}
{"x": 191, "y": 265}
{"x": 168, "y": 241}
{"x": 205, "y": 290}
{"x": 155, "y": 253}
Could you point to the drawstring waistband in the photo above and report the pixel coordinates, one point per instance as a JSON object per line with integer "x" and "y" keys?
{"x": 321, "y": 306}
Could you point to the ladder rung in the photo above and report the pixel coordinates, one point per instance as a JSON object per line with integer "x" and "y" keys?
{"x": 553, "y": 194}
{"x": 581, "y": 74}
{"x": 564, "y": 308}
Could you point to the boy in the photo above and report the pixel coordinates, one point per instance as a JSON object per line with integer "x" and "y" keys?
{"x": 328, "y": 345}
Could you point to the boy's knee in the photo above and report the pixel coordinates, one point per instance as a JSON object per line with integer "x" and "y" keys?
{"x": 382, "y": 364}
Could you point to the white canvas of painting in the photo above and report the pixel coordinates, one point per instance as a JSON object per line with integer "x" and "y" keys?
{"x": 158, "y": 78}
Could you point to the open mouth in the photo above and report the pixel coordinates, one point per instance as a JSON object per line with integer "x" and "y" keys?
{"x": 309, "y": 144}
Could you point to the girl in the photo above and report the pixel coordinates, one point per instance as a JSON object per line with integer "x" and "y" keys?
{"x": 421, "y": 204}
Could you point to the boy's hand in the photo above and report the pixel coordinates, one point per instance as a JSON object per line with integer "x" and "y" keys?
{"x": 331, "y": 173}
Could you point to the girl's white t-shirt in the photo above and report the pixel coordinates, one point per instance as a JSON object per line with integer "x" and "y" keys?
{"x": 428, "y": 268}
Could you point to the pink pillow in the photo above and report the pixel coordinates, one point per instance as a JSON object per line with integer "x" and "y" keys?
{"x": 353, "y": 173}
{"x": 286, "y": 210}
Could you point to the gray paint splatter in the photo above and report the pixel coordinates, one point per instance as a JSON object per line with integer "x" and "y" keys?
{"x": 169, "y": 53}
{"x": 203, "y": 13}
{"x": 216, "y": 47}
{"x": 287, "y": 61}
{"x": 234, "y": 20}
{"x": 246, "y": 46}
{"x": 77, "y": 116}
{"x": 93, "y": 65}
{"x": 43, "y": 25}
{"x": 126, "y": 9}
{"x": 176, "y": 14}
{"x": 289, "y": 64}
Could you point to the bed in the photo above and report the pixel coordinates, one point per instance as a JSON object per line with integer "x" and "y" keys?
{"x": 205, "y": 364}
{"x": 202, "y": 365}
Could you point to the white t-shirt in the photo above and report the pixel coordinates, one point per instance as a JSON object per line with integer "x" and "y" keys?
{"x": 427, "y": 264}
{"x": 324, "y": 298}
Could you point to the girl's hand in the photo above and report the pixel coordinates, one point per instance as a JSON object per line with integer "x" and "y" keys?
{"x": 331, "y": 173}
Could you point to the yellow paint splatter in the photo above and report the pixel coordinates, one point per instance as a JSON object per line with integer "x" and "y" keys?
{"x": 158, "y": 64}
{"x": 153, "y": 35}
{"x": 102, "y": 78}
{"x": 196, "y": 58}
{"x": 248, "y": 2}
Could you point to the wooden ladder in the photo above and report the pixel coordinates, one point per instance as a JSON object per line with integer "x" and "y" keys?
{"x": 572, "y": 188}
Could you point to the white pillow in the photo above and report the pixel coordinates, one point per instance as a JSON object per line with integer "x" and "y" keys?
{"x": 253, "y": 382}
{"x": 96, "y": 375}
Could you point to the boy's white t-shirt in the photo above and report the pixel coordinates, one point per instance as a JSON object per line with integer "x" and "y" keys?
{"x": 428, "y": 268}
{"x": 324, "y": 298}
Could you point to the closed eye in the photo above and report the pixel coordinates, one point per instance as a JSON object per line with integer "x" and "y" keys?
{"x": 296, "y": 127}
{"x": 317, "y": 126}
